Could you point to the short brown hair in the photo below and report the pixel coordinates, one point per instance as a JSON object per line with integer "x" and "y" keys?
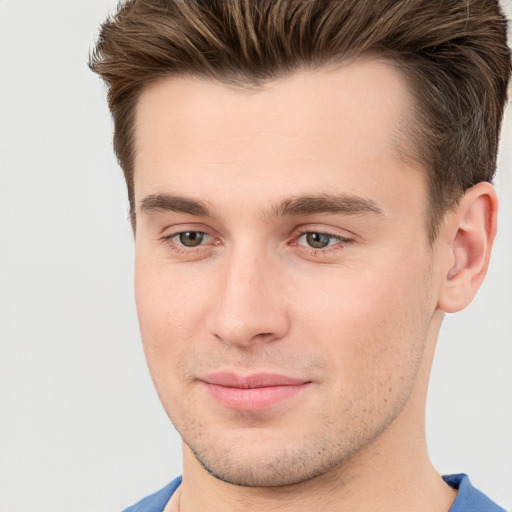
{"x": 454, "y": 55}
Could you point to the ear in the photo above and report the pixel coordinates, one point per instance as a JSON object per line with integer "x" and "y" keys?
{"x": 467, "y": 237}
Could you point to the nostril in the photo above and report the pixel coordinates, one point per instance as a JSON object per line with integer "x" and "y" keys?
{"x": 264, "y": 335}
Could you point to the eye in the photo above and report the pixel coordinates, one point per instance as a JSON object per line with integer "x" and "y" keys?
{"x": 187, "y": 240}
{"x": 190, "y": 238}
{"x": 317, "y": 240}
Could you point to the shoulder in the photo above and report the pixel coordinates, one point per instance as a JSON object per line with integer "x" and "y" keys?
{"x": 469, "y": 499}
{"x": 156, "y": 502}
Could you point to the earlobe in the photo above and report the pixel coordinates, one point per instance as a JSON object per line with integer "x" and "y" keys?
{"x": 469, "y": 236}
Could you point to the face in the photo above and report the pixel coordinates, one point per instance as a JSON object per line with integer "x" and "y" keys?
{"x": 284, "y": 281}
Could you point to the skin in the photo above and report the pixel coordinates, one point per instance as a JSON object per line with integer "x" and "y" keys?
{"x": 356, "y": 320}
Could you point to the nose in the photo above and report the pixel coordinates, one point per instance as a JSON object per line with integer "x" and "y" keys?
{"x": 250, "y": 306}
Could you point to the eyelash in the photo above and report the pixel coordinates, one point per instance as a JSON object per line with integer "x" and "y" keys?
{"x": 183, "y": 249}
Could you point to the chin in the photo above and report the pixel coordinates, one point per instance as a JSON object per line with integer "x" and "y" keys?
{"x": 259, "y": 460}
{"x": 281, "y": 470}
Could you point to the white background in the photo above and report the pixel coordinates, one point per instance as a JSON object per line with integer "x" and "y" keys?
{"x": 81, "y": 428}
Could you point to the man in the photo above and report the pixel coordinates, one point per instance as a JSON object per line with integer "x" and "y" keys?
{"x": 309, "y": 185}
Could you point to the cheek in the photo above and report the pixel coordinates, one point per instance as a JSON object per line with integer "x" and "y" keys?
{"x": 370, "y": 325}
{"x": 168, "y": 296}
{"x": 171, "y": 311}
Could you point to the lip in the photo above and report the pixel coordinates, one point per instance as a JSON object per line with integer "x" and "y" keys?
{"x": 255, "y": 392}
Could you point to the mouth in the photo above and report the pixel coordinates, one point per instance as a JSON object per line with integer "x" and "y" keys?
{"x": 253, "y": 393}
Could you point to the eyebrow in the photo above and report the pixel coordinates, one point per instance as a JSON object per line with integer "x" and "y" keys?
{"x": 326, "y": 203}
{"x": 295, "y": 207}
{"x": 170, "y": 203}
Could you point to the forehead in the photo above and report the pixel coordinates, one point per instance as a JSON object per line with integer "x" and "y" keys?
{"x": 314, "y": 129}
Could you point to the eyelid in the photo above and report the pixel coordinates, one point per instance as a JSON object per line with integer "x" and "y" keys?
{"x": 341, "y": 234}
{"x": 183, "y": 227}
{"x": 341, "y": 238}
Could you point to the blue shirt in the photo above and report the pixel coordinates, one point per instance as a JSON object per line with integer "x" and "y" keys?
{"x": 468, "y": 498}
